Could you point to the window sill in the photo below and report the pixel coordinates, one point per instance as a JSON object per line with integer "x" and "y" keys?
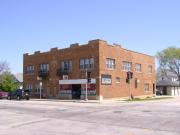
{"x": 138, "y": 72}
{"x": 127, "y": 70}
{"x": 87, "y": 69}
{"x": 110, "y": 69}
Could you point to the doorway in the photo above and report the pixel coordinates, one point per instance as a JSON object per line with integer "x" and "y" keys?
{"x": 76, "y": 91}
{"x": 164, "y": 90}
{"x": 154, "y": 89}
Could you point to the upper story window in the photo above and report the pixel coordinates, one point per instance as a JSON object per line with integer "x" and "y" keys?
{"x": 138, "y": 67}
{"x": 150, "y": 69}
{"x": 44, "y": 67}
{"x": 146, "y": 87}
{"x": 117, "y": 79}
{"x": 87, "y": 63}
{"x": 66, "y": 65}
{"x": 110, "y": 63}
{"x": 29, "y": 69}
{"x": 126, "y": 66}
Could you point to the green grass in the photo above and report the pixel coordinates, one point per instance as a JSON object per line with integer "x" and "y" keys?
{"x": 148, "y": 99}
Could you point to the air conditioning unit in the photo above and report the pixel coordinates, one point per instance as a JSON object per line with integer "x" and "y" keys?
{"x": 65, "y": 77}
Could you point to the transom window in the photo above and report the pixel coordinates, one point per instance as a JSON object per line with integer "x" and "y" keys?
{"x": 126, "y": 66}
{"x": 87, "y": 63}
{"x": 110, "y": 63}
{"x": 66, "y": 65}
{"x": 138, "y": 67}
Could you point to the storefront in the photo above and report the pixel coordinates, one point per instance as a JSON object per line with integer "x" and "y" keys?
{"x": 76, "y": 89}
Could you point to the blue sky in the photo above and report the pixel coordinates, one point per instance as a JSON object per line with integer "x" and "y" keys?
{"x": 145, "y": 26}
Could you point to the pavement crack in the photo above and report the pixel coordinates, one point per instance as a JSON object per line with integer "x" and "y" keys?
{"x": 29, "y": 123}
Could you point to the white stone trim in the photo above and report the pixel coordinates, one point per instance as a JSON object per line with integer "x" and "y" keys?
{"x": 76, "y": 81}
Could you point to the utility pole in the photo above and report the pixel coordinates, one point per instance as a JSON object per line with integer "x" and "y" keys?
{"x": 128, "y": 80}
{"x": 40, "y": 86}
{"x": 130, "y": 89}
{"x": 40, "y": 90}
{"x": 86, "y": 86}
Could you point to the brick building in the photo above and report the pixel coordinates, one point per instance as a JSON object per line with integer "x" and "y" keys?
{"x": 63, "y": 72}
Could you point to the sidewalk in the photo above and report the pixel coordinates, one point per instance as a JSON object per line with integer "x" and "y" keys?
{"x": 117, "y": 100}
{"x": 80, "y": 101}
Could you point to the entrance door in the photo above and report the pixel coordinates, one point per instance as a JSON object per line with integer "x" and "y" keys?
{"x": 76, "y": 91}
{"x": 164, "y": 90}
{"x": 154, "y": 89}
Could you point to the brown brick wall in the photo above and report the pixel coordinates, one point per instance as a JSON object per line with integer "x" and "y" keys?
{"x": 54, "y": 57}
{"x": 100, "y": 50}
{"x": 122, "y": 89}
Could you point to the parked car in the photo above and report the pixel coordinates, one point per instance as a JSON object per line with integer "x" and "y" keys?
{"x": 19, "y": 94}
{"x": 3, "y": 94}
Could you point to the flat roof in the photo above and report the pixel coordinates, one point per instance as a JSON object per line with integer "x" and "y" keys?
{"x": 89, "y": 42}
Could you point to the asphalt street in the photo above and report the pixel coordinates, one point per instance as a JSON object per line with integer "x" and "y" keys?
{"x": 159, "y": 117}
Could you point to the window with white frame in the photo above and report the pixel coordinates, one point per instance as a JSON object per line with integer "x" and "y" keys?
{"x": 91, "y": 63}
{"x": 82, "y": 64}
{"x": 110, "y": 63}
{"x": 126, "y": 66}
{"x": 138, "y": 67}
{"x": 44, "y": 67}
{"x": 66, "y": 65}
{"x": 29, "y": 69}
{"x": 146, "y": 87}
{"x": 150, "y": 69}
{"x": 87, "y": 63}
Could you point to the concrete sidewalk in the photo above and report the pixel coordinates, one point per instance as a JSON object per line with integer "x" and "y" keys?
{"x": 117, "y": 100}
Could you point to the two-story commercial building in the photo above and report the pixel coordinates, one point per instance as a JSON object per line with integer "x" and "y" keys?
{"x": 63, "y": 72}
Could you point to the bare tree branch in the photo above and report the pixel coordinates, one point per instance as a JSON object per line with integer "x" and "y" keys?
{"x": 3, "y": 67}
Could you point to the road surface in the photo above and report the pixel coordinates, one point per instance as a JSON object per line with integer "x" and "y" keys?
{"x": 160, "y": 117}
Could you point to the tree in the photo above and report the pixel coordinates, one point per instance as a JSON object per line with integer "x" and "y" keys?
{"x": 7, "y": 82}
{"x": 4, "y": 67}
{"x": 169, "y": 61}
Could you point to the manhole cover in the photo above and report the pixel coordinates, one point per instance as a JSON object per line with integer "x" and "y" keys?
{"x": 3, "y": 108}
{"x": 118, "y": 111}
{"x": 61, "y": 110}
{"x": 19, "y": 113}
{"x": 146, "y": 111}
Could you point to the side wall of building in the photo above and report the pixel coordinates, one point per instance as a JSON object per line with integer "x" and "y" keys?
{"x": 122, "y": 89}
